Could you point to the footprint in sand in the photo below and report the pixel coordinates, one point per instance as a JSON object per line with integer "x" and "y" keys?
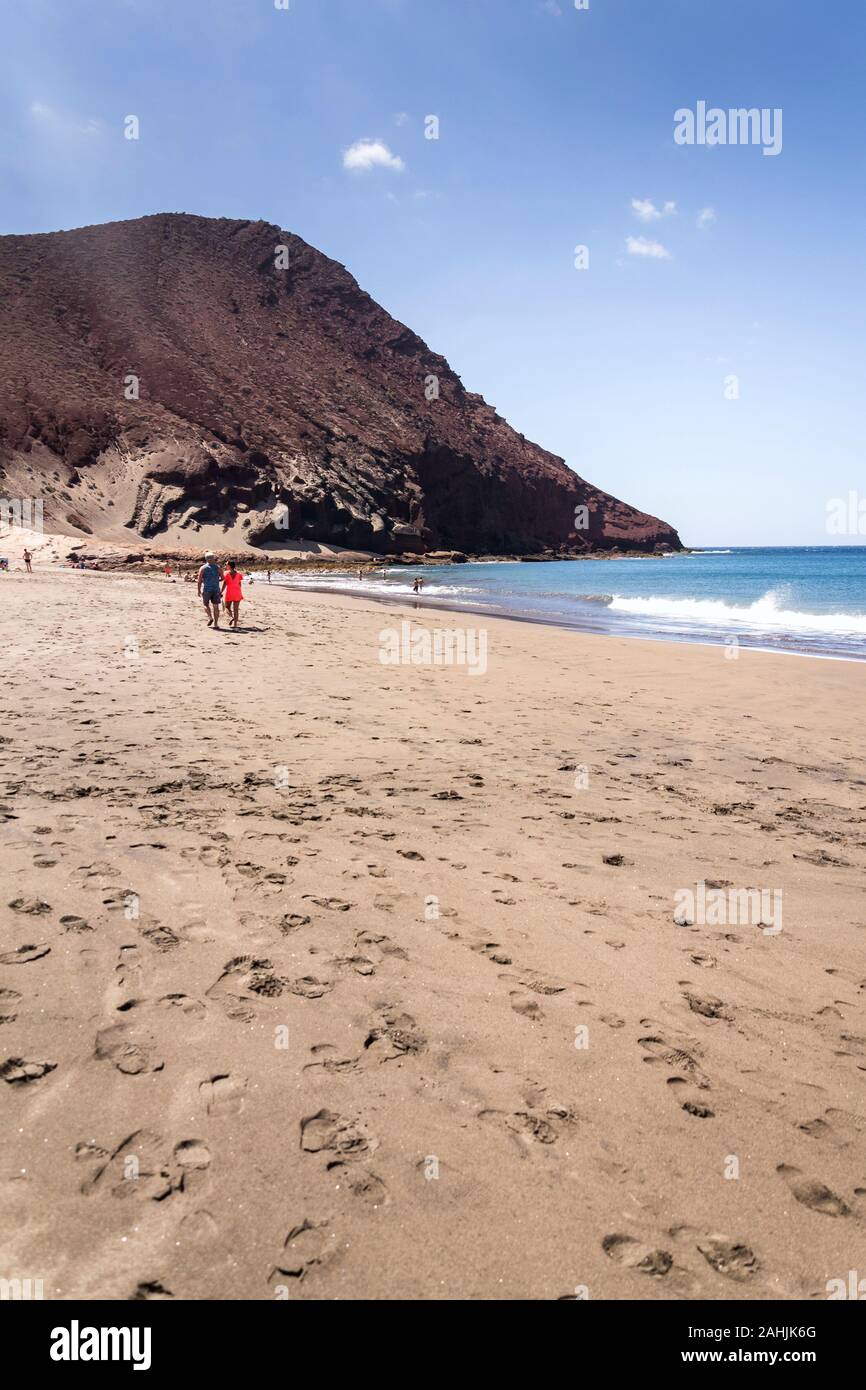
{"x": 359, "y": 965}
{"x": 688, "y": 1100}
{"x": 193, "y": 1155}
{"x": 730, "y": 1258}
{"x": 708, "y": 1007}
{"x": 493, "y": 951}
{"x": 17, "y": 1072}
{"x": 23, "y": 955}
{"x": 307, "y": 1247}
{"x": 527, "y": 1007}
{"x": 368, "y": 941}
{"x": 255, "y": 878}
{"x": 660, "y": 1050}
{"x": 212, "y": 856}
{"x": 136, "y": 1169}
{"x": 634, "y": 1254}
{"x": 75, "y": 924}
{"x": 189, "y": 1007}
{"x": 820, "y": 1129}
{"x": 9, "y": 1001}
{"x": 309, "y": 987}
{"x": 811, "y": 1193}
{"x": 328, "y": 1133}
{"x": 117, "y": 899}
{"x": 837, "y": 1127}
{"x": 223, "y": 1094}
{"x": 128, "y": 971}
{"x": 531, "y": 1127}
{"x": 328, "y": 1059}
{"x": 32, "y": 907}
{"x": 396, "y": 1036}
{"x": 292, "y": 922}
{"x": 535, "y": 982}
{"x": 245, "y": 980}
{"x": 161, "y": 938}
{"x": 130, "y": 1046}
{"x": 361, "y": 1184}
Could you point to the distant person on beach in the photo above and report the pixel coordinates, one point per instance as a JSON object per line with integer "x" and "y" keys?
{"x": 418, "y": 585}
{"x": 232, "y": 594}
{"x": 208, "y": 588}
{"x": 269, "y": 575}
{"x": 360, "y": 574}
{"x": 27, "y": 558}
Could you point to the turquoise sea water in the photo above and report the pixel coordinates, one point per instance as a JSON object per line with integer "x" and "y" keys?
{"x": 809, "y": 600}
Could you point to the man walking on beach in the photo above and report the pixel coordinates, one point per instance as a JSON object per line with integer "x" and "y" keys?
{"x": 208, "y": 588}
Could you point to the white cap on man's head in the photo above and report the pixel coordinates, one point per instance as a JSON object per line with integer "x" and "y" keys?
{"x": 208, "y": 555}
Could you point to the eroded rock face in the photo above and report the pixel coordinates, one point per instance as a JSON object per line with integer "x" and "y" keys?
{"x": 175, "y": 373}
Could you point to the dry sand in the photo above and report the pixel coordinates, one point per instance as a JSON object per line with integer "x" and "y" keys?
{"x": 276, "y": 1071}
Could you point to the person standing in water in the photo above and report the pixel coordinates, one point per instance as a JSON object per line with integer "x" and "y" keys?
{"x": 418, "y": 585}
{"x": 232, "y": 595}
{"x": 208, "y": 588}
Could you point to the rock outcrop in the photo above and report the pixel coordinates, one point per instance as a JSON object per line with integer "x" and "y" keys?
{"x": 191, "y": 380}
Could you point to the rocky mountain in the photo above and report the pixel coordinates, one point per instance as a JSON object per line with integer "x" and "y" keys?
{"x": 186, "y": 380}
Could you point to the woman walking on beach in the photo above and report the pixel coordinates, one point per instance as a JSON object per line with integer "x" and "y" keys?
{"x": 232, "y": 595}
{"x": 208, "y": 588}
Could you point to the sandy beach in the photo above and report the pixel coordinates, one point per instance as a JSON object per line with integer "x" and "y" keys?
{"x": 326, "y": 978}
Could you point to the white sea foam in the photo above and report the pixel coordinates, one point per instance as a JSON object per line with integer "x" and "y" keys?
{"x": 346, "y": 583}
{"x": 764, "y": 615}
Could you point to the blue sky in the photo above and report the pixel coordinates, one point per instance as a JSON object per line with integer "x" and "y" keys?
{"x": 553, "y": 124}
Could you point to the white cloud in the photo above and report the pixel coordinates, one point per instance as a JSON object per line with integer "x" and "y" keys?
{"x": 648, "y": 212}
{"x": 705, "y": 217}
{"x": 551, "y": 7}
{"x": 642, "y": 246}
{"x": 401, "y": 118}
{"x": 371, "y": 154}
{"x": 65, "y": 124}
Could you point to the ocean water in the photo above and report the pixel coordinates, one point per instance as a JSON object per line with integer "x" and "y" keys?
{"x": 806, "y": 600}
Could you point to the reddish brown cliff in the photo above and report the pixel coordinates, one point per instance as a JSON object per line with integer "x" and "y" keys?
{"x": 276, "y": 400}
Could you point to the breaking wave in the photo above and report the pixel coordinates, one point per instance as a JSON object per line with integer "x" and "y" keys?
{"x": 764, "y": 615}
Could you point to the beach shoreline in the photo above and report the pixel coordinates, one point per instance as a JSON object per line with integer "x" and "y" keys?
{"x": 329, "y": 978}
{"x": 423, "y": 603}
